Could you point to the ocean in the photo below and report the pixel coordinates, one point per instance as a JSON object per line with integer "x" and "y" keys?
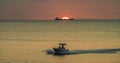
{"x": 26, "y": 41}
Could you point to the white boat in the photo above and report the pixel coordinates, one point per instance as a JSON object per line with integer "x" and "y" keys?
{"x": 61, "y": 50}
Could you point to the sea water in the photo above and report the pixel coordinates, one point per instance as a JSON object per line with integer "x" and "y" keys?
{"x": 24, "y": 41}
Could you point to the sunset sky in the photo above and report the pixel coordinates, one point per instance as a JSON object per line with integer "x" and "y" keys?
{"x": 49, "y": 9}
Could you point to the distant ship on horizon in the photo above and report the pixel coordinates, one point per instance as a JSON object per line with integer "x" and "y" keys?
{"x": 64, "y": 18}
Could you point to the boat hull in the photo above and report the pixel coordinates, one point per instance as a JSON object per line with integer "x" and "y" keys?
{"x": 61, "y": 51}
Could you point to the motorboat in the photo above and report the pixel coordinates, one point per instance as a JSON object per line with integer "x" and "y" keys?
{"x": 61, "y": 50}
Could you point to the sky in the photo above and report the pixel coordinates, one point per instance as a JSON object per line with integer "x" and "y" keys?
{"x": 49, "y": 9}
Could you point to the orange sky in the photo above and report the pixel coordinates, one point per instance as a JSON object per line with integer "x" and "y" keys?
{"x": 49, "y": 9}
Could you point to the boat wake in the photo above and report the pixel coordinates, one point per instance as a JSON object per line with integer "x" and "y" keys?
{"x": 97, "y": 51}
{"x": 61, "y": 50}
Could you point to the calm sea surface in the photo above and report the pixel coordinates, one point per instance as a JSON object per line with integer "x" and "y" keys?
{"x": 27, "y": 41}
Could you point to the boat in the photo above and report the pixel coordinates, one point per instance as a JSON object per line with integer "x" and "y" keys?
{"x": 57, "y": 18}
{"x": 61, "y": 50}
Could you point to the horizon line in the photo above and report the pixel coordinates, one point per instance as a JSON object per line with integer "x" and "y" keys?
{"x": 53, "y": 19}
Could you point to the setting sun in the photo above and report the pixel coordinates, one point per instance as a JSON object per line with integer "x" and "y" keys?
{"x": 65, "y": 18}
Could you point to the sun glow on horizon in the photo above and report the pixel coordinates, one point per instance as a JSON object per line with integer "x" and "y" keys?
{"x": 65, "y": 18}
